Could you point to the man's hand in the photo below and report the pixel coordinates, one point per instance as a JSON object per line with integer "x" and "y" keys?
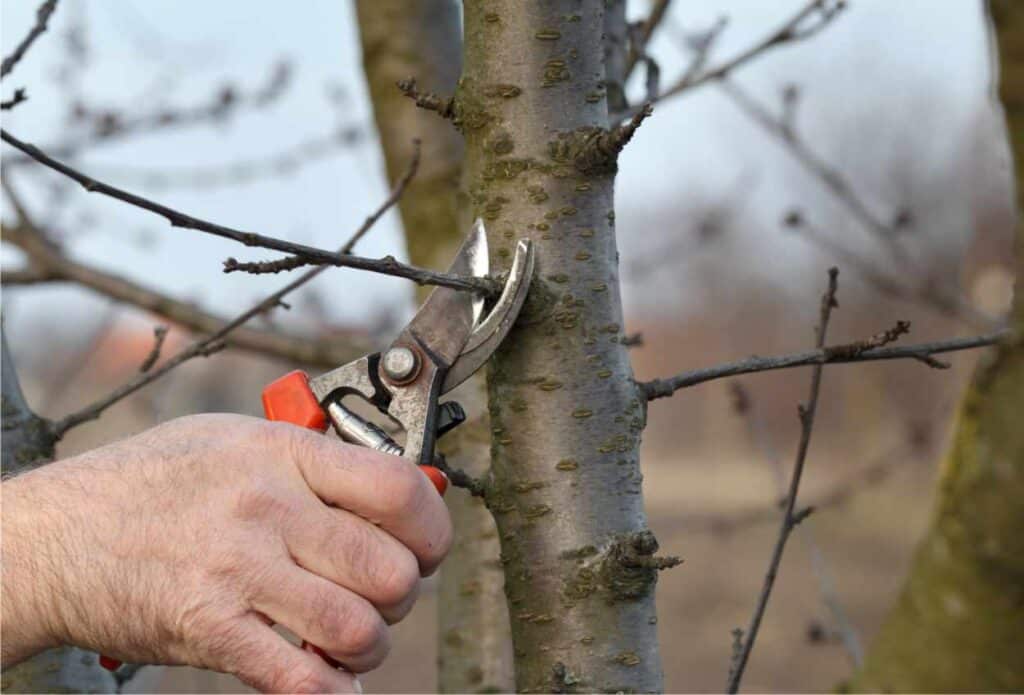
{"x": 182, "y": 545}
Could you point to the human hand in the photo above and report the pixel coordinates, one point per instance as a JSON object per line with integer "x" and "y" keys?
{"x": 183, "y": 544}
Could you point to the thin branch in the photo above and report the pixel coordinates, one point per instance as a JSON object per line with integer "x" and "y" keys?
{"x": 826, "y": 585}
{"x": 159, "y": 336}
{"x": 953, "y": 305}
{"x": 19, "y": 96}
{"x": 50, "y": 264}
{"x": 835, "y": 495}
{"x": 839, "y": 354}
{"x": 824, "y": 172}
{"x": 642, "y": 37}
{"x": 62, "y": 377}
{"x": 107, "y": 124}
{"x": 789, "y": 32}
{"x": 790, "y": 518}
{"x": 445, "y": 107}
{"x": 244, "y": 171}
{"x": 42, "y": 19}
{"x": 215, "y": 342}
{"x": 385, "y": 266}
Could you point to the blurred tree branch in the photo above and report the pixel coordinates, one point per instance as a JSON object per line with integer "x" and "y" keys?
{"x": 793, "y": 30}
{"x": 308, "y": 254}
{"x": 42, "y": 20}
{"x": 790, "y": 518}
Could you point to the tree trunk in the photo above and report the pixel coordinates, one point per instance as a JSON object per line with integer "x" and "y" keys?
{"x": 27, "y": 441}
{"x": 566, "y": 416}
{"x": 422, "y": 40}
{"x": 959, "y": 622}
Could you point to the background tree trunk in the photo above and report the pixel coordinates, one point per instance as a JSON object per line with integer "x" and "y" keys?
{"x": 566, "y": 416}
{"x": 423, "y": 40}
{"x": 959, "y": 622}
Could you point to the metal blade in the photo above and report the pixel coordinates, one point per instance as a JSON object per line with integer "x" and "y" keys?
{"x": 445, "y": 321}
{"x": 492, "y": 331}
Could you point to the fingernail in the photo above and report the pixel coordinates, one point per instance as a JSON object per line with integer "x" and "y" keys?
{"x": 357, "y": 685}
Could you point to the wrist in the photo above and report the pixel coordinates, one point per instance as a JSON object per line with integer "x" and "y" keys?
{"x": 32, "y": 532}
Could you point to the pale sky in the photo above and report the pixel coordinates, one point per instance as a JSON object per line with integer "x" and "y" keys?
{"x": 888, "y": 85}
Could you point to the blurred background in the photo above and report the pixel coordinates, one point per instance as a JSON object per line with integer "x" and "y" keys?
{"x": 256, "y": 115}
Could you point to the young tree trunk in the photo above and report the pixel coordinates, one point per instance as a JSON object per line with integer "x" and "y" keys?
{"x": 423, "y": 40}
{"x": 27, "y": 441}
{"x": 959, "y": 622}
{"x": 566, "y": 416}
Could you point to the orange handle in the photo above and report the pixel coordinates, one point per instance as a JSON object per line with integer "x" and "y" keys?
{"x": 289, "y": 399}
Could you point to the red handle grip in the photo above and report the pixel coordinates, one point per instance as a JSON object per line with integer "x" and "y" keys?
{"x": 289, "y": 399}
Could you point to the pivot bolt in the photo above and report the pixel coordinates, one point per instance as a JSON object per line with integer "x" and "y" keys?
{"x": 400, "y": 364}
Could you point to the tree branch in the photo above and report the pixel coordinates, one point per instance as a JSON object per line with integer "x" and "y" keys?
{"x": 789, "y": 32}
{"x": 642, "y": 36}
{"x": 50, "y": 264}
{"x": 839, "y": 354}
{"x": 19, "y": 96}
{"x": 215, "y": 342}
{"x": 445, "y": 107}
{"x": 42, "y": 19}
{"x": 316, "y": 256}
{"x": 953, "y": 304}
{"x": 790, "y": 518}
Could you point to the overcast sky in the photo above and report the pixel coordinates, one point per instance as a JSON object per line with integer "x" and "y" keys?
{"x": 888, "y": 83}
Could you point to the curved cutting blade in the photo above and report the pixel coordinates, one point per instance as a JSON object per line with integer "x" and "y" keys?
{"x": 446, "y": 319}
{"x": 489, "y": 334}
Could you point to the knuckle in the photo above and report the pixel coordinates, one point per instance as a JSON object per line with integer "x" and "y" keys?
{"x": 403, "y": 488}
{"x": 400, "y": 578}
{"x": 360, "y": 630}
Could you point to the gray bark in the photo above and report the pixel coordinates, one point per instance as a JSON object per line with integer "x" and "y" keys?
{"x": 422, "y": 40}
{"x": 566, "y": 416}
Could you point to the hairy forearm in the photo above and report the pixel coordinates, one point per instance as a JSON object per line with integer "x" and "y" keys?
{"x": 31, "y": 529}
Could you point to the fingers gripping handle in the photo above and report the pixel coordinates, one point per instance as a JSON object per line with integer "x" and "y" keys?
{"x": 289, "y": 399}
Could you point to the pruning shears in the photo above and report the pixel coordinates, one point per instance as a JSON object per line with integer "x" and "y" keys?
{"x": 447, "y": 341}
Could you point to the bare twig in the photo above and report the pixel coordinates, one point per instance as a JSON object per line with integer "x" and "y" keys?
{"x": 159, "y": 336}
{"x": 835, "y": 495}
{"x": 840, "y": 354}
{"x": 108, "y": 124}
{"x": 789, "y": 32}
{"x": 49, "y": 263}
{"x": 64, "y": 376}
{"x": 445, "y": 107}
{"x": 828, "y": 175}
{"x": 19, "y": 96}
{"x": 243, "y": 171}
{"x": 826, "y": 584}
{"x": 940, "y": 300}
{"x": 42, "y": 19}
{"x": 790, "y": 518}
{"x": 316, "y": 256}
{"x": 642, "y": 36}
{"x": 215, "y": 342}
